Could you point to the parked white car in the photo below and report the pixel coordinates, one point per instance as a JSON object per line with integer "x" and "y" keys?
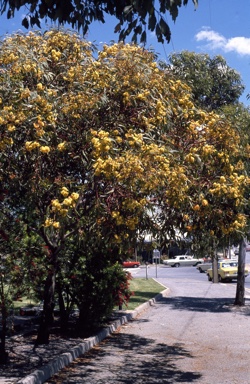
{"x": 207, "y": 265}
{"x": 202, "y": 268}
{"x": 183, "y": 260}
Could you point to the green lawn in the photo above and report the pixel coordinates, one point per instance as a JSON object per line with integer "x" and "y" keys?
{"x": 144, "y": 290}
{"x": 24, "y": 302}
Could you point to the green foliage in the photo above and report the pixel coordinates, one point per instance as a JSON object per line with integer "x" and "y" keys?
{"x": 133, "y": 16}
{"x": 212, "y": 82}
{"x": 11, "y": 272}
{"x": 11, "y": 254}
{"x": 21, "y": 259}
{"x": 239, "y": 117}
{"x": 98, "y": 288}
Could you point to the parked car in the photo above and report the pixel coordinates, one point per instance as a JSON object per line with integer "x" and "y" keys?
{"x": 202, "y": 268}
{"x": 31, "y": 310}
{"x": 131, "y": 264}
{"x": 183, "y": 260}
{"x": 227, "y": 271}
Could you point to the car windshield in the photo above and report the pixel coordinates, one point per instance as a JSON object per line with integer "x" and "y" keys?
{"x": 226, "y": 265}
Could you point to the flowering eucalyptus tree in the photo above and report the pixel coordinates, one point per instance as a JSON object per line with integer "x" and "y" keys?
{"x": 90, "y": 144}
{"x": 82, "y": 146}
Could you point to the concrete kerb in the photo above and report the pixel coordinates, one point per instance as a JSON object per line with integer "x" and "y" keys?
{"x": 39, "y": 376}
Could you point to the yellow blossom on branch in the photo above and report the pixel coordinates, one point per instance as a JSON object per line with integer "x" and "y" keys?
{"x": 74, "y": 196}
{"x": 62, "y": 146}
{"x": 68, "y": 201}
{"x": 64, "y": 191}
{"x": 30, "y": 145}
{"x": 48, "y": 223}
{"x": 44, "y": 149}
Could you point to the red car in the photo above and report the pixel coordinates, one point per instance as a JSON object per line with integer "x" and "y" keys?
{"x": 131, "y": 264}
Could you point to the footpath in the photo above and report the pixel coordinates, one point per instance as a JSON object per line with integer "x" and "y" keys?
{"x": 194, "y": 335}
{"x": 191, "y": 333}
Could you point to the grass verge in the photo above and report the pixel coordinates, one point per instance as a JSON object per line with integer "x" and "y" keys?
{"x": 144, "y": 290}
{"x": 24, "y": 302}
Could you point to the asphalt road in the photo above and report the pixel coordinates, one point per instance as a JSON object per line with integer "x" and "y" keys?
{"x": 194, "y": 335}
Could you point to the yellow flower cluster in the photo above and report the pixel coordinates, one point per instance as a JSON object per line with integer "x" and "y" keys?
{"x": 160, "y": 110}
{"x": 56, "y": 55}
{"x": 44, "y": 149}
{"x": 62, "y": 146}
{"x": 208, "y": 149}
{"x": 204, "y": 203}
{"x": 134, "y": 138}
{"x": 232, "y": 188}
{"x": 39, "y": 87}
{"x": 240, "y": 222}
{"x": 7, "y": 141}
{"x": 196, "y": 207}
{"x": 118, "y": 218}
{"x": 30, "y": 145}
{"x": 64, "y": 191}
{"x": 189, "y": 158}
{"x": 130, "y": 222}
{"x": 134, "y": 205}
{"x": 107, "y": 167}
{"x": 61, "y": 208}
{"x": 68, "y": 202}
{"x": 11, "y": 127}
{"x": 143, "y": 96}
{"x": 51, "y": 223}
{"x": 237, "y": 225}
{"x": 39, "y": 127}
{"x": 101, "y": 143}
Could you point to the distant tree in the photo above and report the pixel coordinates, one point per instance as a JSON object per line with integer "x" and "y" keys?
{"x": 239, "y": 117}
{"x": 133, "y": 16}
{"x": 213, "y": 83}
{"x": 216, "y": 182}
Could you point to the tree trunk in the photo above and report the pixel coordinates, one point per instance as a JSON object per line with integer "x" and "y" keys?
{"x": 215, "y": 267}
{"x": 240, "y": 290}
{"x": 3, "y": 353}
{"x": 85, "y": 324}
{"x": 64, "y": 313}
{"x": 47, "y": 317}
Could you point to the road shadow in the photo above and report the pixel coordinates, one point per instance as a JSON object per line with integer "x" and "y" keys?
{"x": 130, "y": 359}
{"x": 201, "y": 304}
